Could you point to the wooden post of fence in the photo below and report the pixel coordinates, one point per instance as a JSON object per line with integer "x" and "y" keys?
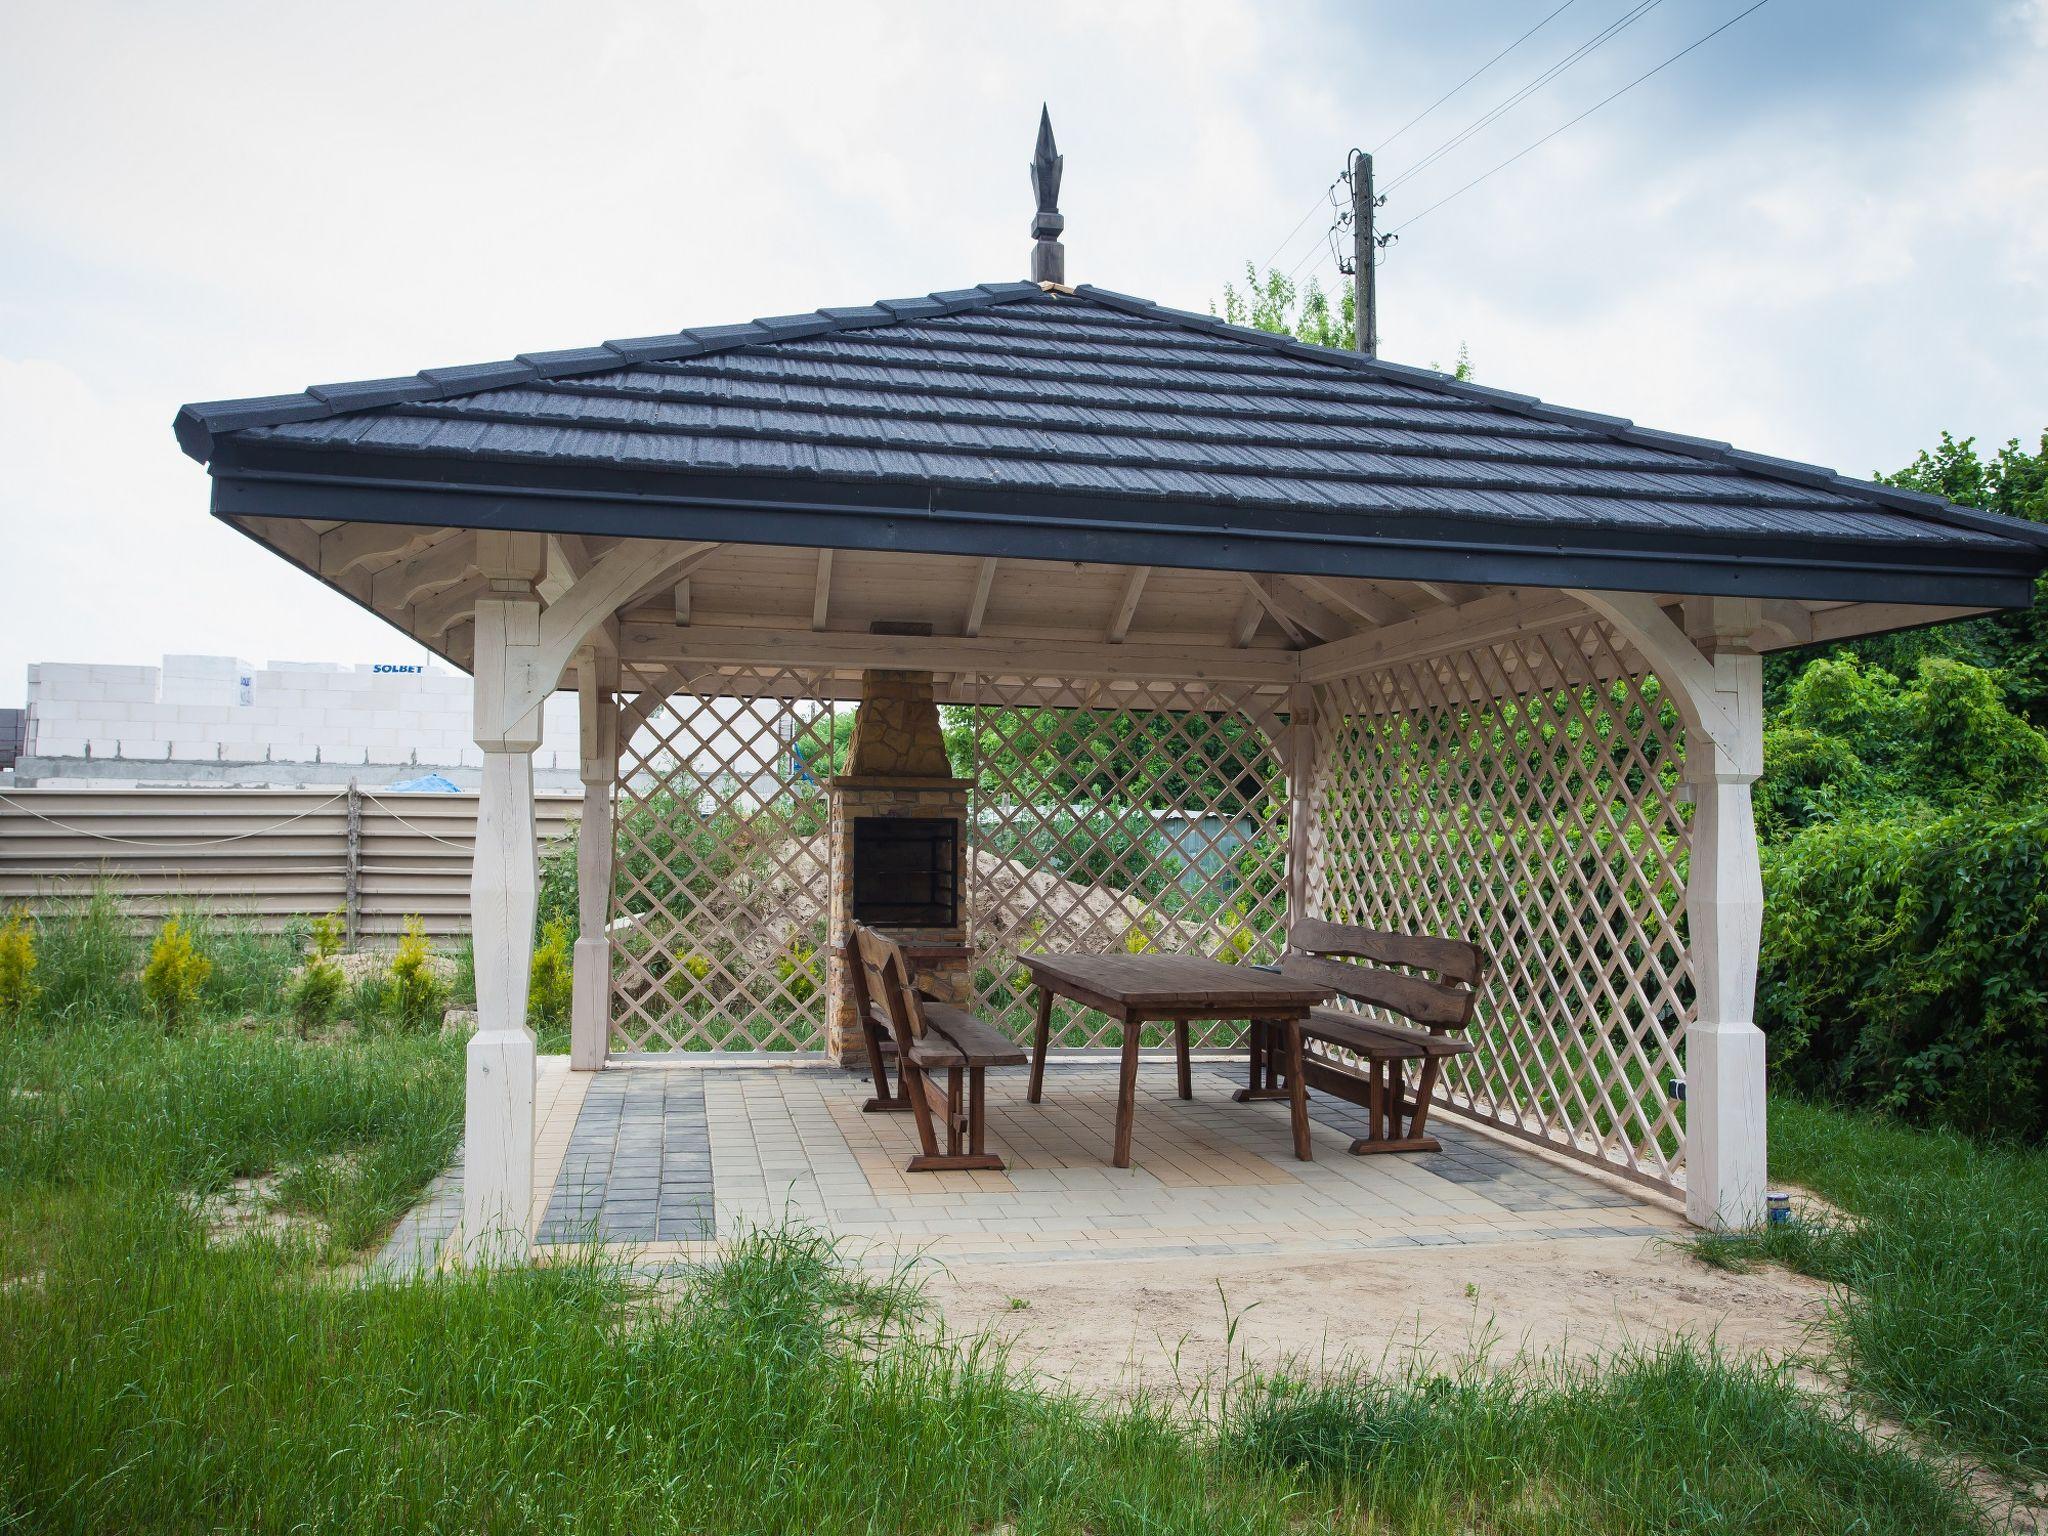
{"x": 352, "y": 866}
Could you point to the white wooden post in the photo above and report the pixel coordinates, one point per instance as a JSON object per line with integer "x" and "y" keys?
{"x": 497, "y": 1192}
{"x": 1717, "y": 685}
{"x": 1300, "y": 763}
{"x": 590, "y": 1019}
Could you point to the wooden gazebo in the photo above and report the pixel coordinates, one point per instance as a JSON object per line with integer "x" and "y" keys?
{"x": 1469, "y": 663}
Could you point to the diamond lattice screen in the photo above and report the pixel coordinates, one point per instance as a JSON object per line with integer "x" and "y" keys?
{"x": 1119, "y": 820}
{"x": 1524, "y": 795}
{"x": 721, "y": 868}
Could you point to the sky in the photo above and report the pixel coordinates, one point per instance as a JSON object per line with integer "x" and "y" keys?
{"x": 1822, "y": 234}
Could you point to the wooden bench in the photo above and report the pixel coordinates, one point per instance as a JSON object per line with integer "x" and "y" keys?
{"x": 930, "y": 1037}
{"x": 1437, "y": 1005}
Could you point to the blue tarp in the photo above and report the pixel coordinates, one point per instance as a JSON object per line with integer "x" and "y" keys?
{"x": 428, "y": 784}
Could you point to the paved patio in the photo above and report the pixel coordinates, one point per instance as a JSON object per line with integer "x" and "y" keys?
{"x": 664, "y": 1160}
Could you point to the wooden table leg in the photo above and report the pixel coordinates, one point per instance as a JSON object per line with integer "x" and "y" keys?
{"x": 1127, "y": 1094}
{"x": 1041, "y": 1041}
{"x": 1186, "y": 1082}
{"x": 1297, "y": 1097}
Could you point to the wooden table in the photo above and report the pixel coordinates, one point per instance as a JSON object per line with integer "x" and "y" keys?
{"x": 1172, "y": 989}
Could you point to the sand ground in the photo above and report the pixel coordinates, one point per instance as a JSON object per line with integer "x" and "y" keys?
{"x": 1108, "y": 1329}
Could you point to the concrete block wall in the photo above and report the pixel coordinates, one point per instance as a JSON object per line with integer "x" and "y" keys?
{"x": 223, "y": 709}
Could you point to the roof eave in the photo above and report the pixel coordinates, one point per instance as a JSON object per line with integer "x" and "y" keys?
{"x": 928, "y": 519}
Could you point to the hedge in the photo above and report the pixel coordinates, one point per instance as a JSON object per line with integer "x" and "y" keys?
{"x": 1905, "y": 966}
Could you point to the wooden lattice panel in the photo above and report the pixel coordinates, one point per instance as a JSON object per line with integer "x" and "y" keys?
{"x": 1106, "y": 820}
{"x": 721, "y": 867}
{"x": 1525, "y": 795}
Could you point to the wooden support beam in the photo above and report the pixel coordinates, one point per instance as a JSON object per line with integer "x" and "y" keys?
{"x": 1503, "y": 613}
{"x": 642, "y": 642}
{"x": 412, "y": 579}
{"x": 1246, "y": 624}
{"x": 1127, "y": 605}
{"x": 821, "y": 596}
{"x": 1261, "y": 591}
{"x": 683, "y": 602}
{"x": 1307, "y": 614}
{"x": 1854, "y": 619}
{"x": 1361, "y": 601}
{"x": 977, "y": 610}
{"x": 352, "y": 545}
{"x": 433, "y": 616}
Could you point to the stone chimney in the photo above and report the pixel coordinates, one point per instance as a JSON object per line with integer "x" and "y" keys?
{"x": 896, "y": 734}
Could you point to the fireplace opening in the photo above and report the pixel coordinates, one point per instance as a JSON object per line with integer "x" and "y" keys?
{"x": 906, "y": 871}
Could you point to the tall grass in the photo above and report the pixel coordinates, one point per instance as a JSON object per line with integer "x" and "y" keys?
{"x": 154, "y": 1378}
{"x": 1942, "y": 1261}
{"x": 88, "y": 963}
{"x": 1672, "y": 1438}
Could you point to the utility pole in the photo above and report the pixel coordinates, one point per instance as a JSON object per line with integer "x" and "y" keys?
{"x": 1362, "y": 249}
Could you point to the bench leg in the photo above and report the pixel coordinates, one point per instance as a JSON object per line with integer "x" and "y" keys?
{"x": 1041, "y": 1041}
{"x": 1383, "y": 1112}
{"x": 885, "y": 1101}
{"x": 1265, "y": 1065}
{"x": 977, "y": 1110}
{"x": 1185, "y": 1078}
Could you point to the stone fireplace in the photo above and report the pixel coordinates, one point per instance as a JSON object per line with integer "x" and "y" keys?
{"x": 898, "y": 825}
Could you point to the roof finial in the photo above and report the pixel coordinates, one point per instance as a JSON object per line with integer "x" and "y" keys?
{"x": 1048, "y": 256}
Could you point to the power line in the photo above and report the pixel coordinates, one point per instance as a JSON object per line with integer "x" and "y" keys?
{"x": 1302, "y": 223}
{"x": 1289, "y": 239}
{"x": 1584, "y": 51}
{"x": 1603, "y": 101}
{"x": 1482, "y": 69}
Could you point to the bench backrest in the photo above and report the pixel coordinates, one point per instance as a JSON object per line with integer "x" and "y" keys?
{"x": 1326, "y": 953}
{"x": 884, "y": 985}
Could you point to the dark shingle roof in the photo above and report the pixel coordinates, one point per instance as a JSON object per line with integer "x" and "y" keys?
{"x": 1011, "y": 403}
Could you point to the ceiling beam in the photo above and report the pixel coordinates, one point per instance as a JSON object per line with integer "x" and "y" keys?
{"x": 1501, "y": 614}
{"x": 1127, "y": 605}
{"x": 1261, "y": 595}
{"x": 977, "y": 610}
{"x": 1006, "y": 656}
{"x": 821, "y": 596}
{"x": 415, "y": 577}
{"x": 1360, "y": 601}
{"x": 352, "y": 545}
{"x": 430, "y": 617}
{"x": 1246, "y": 624}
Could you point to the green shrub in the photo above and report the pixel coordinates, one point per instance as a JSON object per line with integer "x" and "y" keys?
{"x": 18, "y": 990}
{"x": 87, "y": 958}
{"x": 1905, "y": 966}
{"x": 417, "y": 994}
{"x": 798, "y": 969}
{"x": 315, "y": 995}
{"x": 551, "y": 979}
{"x": 328, "y": 935}
{"x": 176, "y": 972}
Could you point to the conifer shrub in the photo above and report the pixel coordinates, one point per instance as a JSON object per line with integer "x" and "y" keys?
{"x": 328, "y": 935}
{"x": 417, "y": 995}
{"x": 315, "y": 995}
{"x": 175, "y": 975}
{"x": 551, "y": 979}
{"x": 18, "y": 989}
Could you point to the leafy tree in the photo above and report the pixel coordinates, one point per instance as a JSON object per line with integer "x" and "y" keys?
{"x": 1276, "y": 304}
{"x": 2015, "y": 645}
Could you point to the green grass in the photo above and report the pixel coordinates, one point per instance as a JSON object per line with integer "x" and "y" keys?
{"x": 151, "y": 1379}
{"x": 1942, "y": 1315}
